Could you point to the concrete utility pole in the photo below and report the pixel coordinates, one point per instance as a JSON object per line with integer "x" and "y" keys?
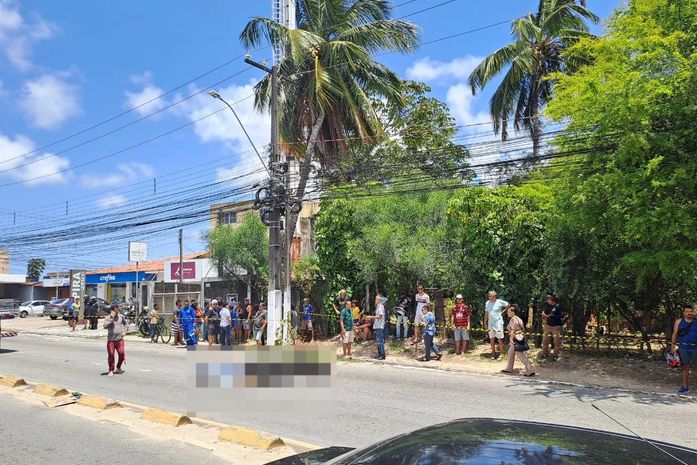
{"x": 277, "y": 198}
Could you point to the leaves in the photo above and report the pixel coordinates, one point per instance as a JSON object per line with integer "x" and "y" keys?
{"x": 241, "y": 252}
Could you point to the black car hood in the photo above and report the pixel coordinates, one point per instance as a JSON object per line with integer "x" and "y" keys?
{"x": 481, "y": 441}
{"x": 314, "y": 457}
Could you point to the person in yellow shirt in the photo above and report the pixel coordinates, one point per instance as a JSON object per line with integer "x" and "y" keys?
{"x": 356, "y": 311}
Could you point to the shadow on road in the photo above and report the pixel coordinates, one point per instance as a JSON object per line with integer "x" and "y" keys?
{"x": 590, "y": 394}
{"x": 7, "y": 351}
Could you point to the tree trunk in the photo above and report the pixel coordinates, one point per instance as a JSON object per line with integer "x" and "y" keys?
{"x": 305, "y": 168}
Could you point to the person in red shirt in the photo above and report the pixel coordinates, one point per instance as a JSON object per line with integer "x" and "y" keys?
{"x": 460, "y": 318}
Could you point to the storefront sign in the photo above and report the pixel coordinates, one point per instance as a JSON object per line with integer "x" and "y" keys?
{"x": 56, "y": 282}
{"x": 77, "y": 287}
{"x": 127, "y": 277}
{"x": 187, "y": 270}
{"x": 193, "y": 270}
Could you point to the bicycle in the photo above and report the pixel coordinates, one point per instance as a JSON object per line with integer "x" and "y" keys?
{"x": 162, "y": 331}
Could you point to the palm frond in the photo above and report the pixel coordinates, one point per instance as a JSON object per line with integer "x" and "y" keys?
{"x": 380, "y": 35}
{"x": 493, "y": 65}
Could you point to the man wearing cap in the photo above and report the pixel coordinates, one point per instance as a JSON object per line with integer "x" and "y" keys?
{"x": 115, "y": 324}
{"x": 340, "y": 301}
{"x": 460, "y": 319}
{"x": 493, "y": 321}
{"x": 552, "y": 322}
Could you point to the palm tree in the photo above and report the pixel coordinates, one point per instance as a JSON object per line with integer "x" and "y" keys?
{"x": 329, "y": 77}
{"x": 536, "y": 52}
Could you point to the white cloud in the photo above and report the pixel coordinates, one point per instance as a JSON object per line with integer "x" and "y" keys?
{"x": 457, "y": 69}
{"x": 26, "y": 168}
{"x": 49, "y": 100}
{"x": 111, "y": 201}
{"x": 18, "y": 36}
{"x": 145, "y": 101}
{"x": 461, "y": 102}
{"x": 223, "y": 127}
{"x": 125, "y": 173}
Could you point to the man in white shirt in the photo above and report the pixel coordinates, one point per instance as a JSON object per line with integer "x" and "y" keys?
{"x": 225, "y": 328}
{"x": 493, "y": 321}
{"x": 379, "y": 326}
{"x": 422, "y": 299}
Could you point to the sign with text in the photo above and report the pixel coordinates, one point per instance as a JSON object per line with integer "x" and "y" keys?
{"x": 137, "y": 251}
{"x": 187, "y": 270}
{"x": 77, "y": 288}
{"x": 191, "y": 270}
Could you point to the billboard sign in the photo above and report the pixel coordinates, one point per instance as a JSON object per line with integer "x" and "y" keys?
{"x": 190, "y": 270}
{"x": 77, "y": 288}
{"x": 137, "y": 251}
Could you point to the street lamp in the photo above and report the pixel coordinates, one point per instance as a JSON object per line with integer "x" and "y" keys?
{"x": 216, "y": 95}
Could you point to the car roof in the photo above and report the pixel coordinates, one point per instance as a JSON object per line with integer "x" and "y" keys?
{"x": 481, "y": 440}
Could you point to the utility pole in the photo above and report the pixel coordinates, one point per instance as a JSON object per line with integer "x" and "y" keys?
{"x": 278, "y": 198}
{"x": 274, "y": 203}
{"x": 181, "y": 255}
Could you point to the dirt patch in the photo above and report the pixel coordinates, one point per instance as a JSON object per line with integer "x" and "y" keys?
{"x": 635, "y": 372}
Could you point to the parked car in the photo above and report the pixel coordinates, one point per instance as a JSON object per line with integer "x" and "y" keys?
{"x": 32, "y": 308}
{"x": 102, "y": 311}
{"x": 8, "y": 308}
{"x": 56, "y": 307}
{"x": 487, "y": 441}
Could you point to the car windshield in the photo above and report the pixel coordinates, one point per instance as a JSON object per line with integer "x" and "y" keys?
{"x": 58, "y": 301}
{"x": 27, "y": 303}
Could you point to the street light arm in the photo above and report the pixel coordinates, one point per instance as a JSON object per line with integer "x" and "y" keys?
{"x": 214, "y": 94}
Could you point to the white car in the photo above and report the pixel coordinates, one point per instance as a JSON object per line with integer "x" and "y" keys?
{"x": 32, "y": 308}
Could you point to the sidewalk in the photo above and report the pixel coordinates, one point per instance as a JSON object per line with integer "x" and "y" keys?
{"x": 630, "y": 373}
{"x": 634, "y": 373}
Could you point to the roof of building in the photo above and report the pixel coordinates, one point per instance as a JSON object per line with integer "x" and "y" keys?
{"x": 154, "y": 266}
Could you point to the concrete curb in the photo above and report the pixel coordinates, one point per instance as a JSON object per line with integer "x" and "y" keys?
{"x": 250, "y": 438}
{"x": 164, "y": 417}
{"x": 11, "y": 381}
{"x": 50, "y": 390}
{"x": 100, "y": 403}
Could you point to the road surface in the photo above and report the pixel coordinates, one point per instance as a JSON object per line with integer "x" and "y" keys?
{"x": 376, "y": 401}
{"x": 64, "y": 439}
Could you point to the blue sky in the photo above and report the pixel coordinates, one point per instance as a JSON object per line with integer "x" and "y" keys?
{"x": 66, "y": 66}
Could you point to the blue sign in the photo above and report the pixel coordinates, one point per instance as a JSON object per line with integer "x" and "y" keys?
{"x": 129, "y": 277}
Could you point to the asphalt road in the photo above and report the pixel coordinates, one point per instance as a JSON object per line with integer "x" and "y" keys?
{"x": 375, "y": 401}
{"x": 63, "y": 439}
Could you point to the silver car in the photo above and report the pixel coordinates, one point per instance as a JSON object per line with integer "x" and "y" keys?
{"x": 32, "y": 308}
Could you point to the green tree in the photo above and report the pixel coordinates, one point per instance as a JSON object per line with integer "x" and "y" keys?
{"x": 420, "y": 144}
{"x": 330, "y": 76}
{"x": 633, "y": 197}
{"x": 242, "y": 252}
{"x": 534, "y": 55}
{"x": 35, "y": 267}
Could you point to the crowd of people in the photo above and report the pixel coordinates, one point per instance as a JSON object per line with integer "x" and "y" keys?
{"x": 224, "y": 324}
{"x": 219, "y": 324}
{"x": 415, "y": 315}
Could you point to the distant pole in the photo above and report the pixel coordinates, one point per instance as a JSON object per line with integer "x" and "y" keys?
{"x": 154, "y": 186}
{"x": 66, "y": 208}
{"x": 14, "y": 218}
{"x": 181, "y": 255}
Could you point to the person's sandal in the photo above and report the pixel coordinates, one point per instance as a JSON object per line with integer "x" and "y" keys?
{"x": 438, "y": 357}
{"x": 506, "y": 371}
{"x": 529, "y": 375}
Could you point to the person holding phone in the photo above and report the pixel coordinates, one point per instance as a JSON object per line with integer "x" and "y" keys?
{"x": 115, "y": 324}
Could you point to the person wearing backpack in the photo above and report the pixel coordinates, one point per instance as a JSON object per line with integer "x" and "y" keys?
{"x": 685, "y": 343}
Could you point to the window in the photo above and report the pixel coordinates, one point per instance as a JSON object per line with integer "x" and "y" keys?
{"x": 227, "y": 218}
